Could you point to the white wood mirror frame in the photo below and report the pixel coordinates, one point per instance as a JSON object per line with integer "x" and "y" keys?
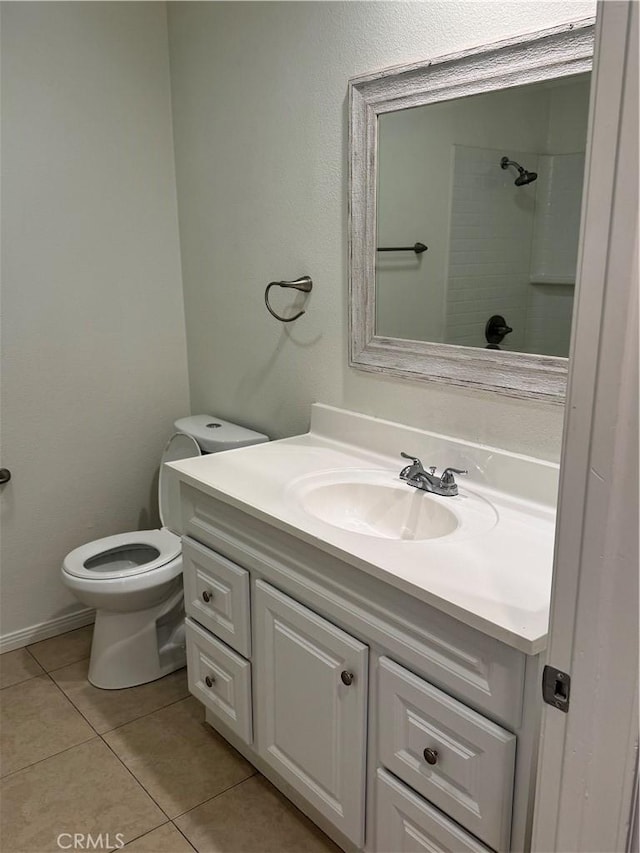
{"x": 546, "y": 55}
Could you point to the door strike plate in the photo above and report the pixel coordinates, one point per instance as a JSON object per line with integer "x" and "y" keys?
{"x": 556, "y": 687}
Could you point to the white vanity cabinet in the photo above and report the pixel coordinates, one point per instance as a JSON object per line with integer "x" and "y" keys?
{"x": 394, "y": 726}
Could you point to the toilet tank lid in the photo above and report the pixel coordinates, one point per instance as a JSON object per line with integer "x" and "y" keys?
{"x": 214, "y": 434}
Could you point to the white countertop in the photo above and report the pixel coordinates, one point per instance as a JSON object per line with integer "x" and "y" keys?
{"x": 497, "y": 580}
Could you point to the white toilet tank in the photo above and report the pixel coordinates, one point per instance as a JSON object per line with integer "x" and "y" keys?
{"x": 195, "y": 435}
{"x": 213, "y": 434}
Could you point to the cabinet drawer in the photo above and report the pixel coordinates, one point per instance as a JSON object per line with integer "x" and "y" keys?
{"x": 470, "y": 776}
{"x": 220, "y": 679}
{"x": 405, "y": 823}
{"x": 216, "y": 594}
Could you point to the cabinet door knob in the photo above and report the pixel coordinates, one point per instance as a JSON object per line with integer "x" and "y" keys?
{"x": 209, "y": 681}
{"x": 207, "y": 596}
{"x": 347, "y": 677}
{"x": 430, "y": 755}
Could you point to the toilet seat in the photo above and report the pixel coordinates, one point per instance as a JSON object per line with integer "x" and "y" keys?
{"x": 133, "y": 553}
{"x": 138, "y": 552}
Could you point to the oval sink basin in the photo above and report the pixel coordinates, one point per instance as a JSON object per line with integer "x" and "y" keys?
{"x": 380, "y": 510}
{"x": 375, "y": 502}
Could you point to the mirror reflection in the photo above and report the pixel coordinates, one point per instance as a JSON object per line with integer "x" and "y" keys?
{"x": 491, "y": 184}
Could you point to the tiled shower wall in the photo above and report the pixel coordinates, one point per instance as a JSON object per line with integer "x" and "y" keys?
{"x": 557, "y": 220}
{"x": 554, "y": 253}
{"x": 490, "y": 246}
{"x": 549, "y": 313}
{"x": 513, "y": 250}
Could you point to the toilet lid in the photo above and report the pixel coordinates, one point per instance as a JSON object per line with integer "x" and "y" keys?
{"x": 179, "y": 446}
{"x": 214, "y": 434}
{"x": 123, "y": 555}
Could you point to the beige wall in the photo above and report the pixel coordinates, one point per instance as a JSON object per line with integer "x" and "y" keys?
{"x": 260, "y": 123}
{"x": 94, "y": 359}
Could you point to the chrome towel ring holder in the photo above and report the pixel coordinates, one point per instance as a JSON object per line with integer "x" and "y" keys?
{"x": 304, "y": 284}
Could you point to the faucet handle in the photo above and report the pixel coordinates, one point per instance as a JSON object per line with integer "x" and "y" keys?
{"x": 413, "y": 470}
{"x": 447, "y": 475}
{"x": 414, "y": 459}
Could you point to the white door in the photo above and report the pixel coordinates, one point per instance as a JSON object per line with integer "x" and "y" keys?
{"x": 310, "y": 707}
{"x": 588, "y": 754}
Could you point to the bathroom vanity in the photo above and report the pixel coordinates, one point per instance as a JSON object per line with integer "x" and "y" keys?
{"x": 372, "y": 649}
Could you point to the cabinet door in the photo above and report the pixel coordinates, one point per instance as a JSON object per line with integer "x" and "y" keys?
{"x": 311, "y": 702}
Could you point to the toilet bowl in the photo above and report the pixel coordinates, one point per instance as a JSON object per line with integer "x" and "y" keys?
{"x": 134, "y": 580}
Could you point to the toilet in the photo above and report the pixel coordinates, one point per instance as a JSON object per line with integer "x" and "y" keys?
{"x": 134, "y": 580}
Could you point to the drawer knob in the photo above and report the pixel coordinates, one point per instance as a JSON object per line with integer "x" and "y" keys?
{"x": 207, "y": 596}
{"x": 347, "y": 677}
{"x": 430, "y": 755}
{"x": 209, "y": 681}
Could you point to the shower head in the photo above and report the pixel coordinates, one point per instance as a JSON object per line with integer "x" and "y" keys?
{"x": 524, "y": 177}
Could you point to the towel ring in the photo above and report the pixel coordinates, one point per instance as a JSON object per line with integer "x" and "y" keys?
{"x": 304, "y": 284}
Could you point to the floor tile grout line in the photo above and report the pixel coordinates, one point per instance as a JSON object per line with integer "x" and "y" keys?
{"x": 120, "y": 725}
{"x": 73, "y": 705}
{"x": 98, "y": 734}
{"x": 147, "y": 714}
{"x": 56, "y": 637}
{"x": 95, "y": 736}
{"x": 147, "y": 832}
{"x": 65, "y": 665}
{"x": 219, "y": 794}
{"x": 115, "y": 728}
{"x": 175, "y": 817}
{"x": 135, "y": 778}
{"x": 6, "y": 776}
{"x": 296, "y": 809}
{"x": 31, "y": 654}
{"x": 94, "y": 733}
{"x": 184, "y": 836}
{"x": 49, "y": 672}
{"x": 24, "y": 681}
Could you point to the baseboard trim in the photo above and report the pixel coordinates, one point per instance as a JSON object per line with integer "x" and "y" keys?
{"x": 44, "y": 630}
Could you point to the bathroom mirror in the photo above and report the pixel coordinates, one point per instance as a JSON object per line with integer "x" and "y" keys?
{"x": 465, "y": 190}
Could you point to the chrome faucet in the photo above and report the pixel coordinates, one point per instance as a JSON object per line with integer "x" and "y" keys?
{"x": 428, "y": 481}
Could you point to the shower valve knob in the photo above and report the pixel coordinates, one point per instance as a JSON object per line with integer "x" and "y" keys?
{"x": 496, "y": 329}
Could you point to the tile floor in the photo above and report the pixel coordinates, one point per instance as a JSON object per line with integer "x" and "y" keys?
{"x": 138, "y": 765}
